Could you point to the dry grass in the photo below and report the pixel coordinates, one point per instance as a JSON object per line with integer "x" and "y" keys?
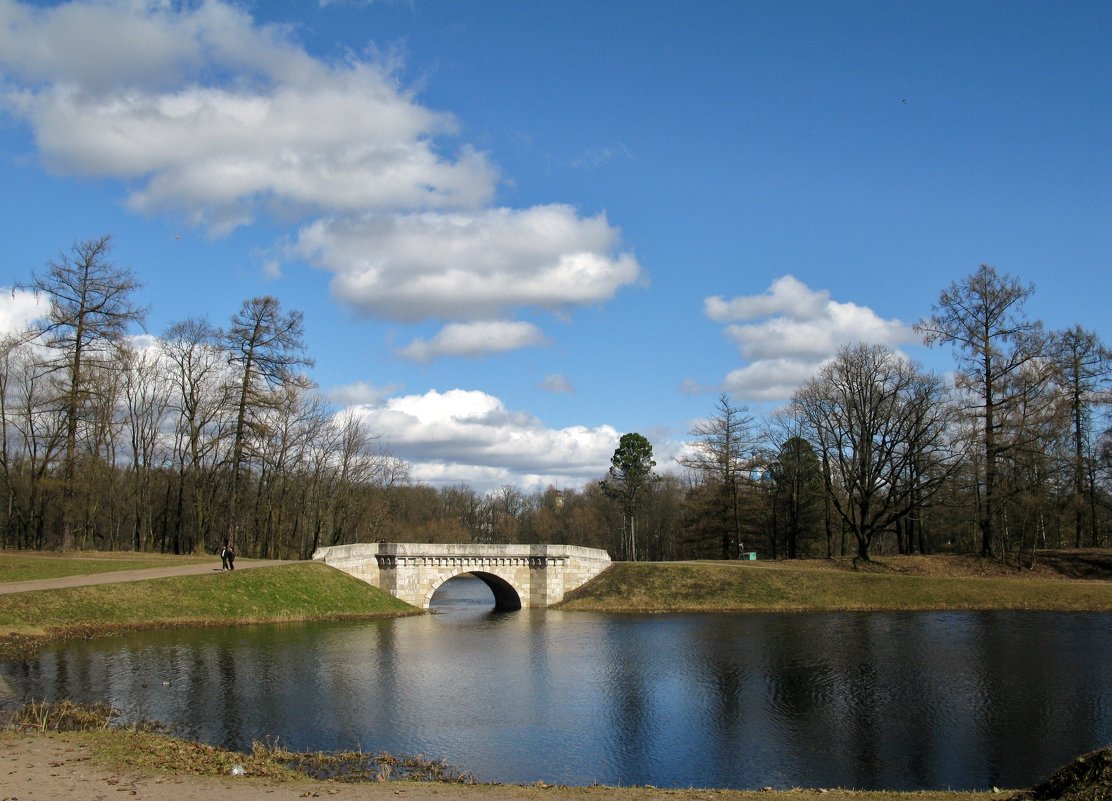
{"x": 1063, "y": 565}
{"x": 903, "y": 583}
{"x": 138, "y": 746}
{"x": 157, "y": 755}
{"x": 362, "y": 766}
{"x": 1085, "y": 564}
{"x": 64, "y": 716}
{"x": 1088, "y": 778}
{"x": 142, "y": 744}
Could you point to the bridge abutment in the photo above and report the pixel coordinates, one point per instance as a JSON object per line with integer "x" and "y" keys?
{"x": 538, "y": 575}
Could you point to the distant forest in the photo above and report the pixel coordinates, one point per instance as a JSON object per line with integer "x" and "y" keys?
{"x": 218, "y": 435}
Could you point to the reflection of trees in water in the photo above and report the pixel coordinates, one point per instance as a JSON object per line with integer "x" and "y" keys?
{"x": 632, "y": 729}
{"x": 854, "y": 699}
{"x": 892, "y": 712}
{"x": 202, "y": 682}
{"x": 725, "y": 662}
{"x": 228, "y": 694}
{"x": 1029, "y": 714}
{"x": 803, "y": 678}
{"x": 539, "y": 674}
{"x": 868, "y": 702}
{"x": 359, "y": 684}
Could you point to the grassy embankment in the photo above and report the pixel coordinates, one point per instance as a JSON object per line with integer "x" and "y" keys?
{"x": 293, "y": 592}
{"x": 1064, "y": 581}
{"x": 30, "y": 566}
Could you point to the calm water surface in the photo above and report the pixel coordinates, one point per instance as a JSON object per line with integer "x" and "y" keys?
{"x": 900, "y": 701}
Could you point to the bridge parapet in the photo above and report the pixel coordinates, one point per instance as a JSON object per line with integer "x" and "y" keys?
{"x": 518, "y": 575}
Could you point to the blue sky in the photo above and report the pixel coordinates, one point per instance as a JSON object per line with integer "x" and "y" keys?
{"x": 520, "y": 229}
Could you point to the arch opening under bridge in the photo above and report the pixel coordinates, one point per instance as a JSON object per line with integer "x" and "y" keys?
{"x": 506, "y": 597}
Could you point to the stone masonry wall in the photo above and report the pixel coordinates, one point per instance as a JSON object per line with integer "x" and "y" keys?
{"x": 540, "y": 574}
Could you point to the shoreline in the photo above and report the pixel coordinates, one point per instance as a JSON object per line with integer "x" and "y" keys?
{"x": 36, "y": 766}
{"x": 18, "y": 646}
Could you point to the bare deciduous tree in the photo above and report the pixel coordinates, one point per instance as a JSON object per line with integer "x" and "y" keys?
{"x": 1084, "y": 368}
{"x": 199, "y": 373}
{"x": 147, "y": 398}
{"x": 982, "y": 317}
{"x": 91, "y": 308}
{"x": 267, "y": 347}
{"x": 722, "y": 454}
{"x": 878, "y": 422}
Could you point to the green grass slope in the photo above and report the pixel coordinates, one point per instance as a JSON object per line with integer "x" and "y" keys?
{"x": 298, "y": 591}
{"x": 753, "y": 587}
{"x": 32, "y": 566}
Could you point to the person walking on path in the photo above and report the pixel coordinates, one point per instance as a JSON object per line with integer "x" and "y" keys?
{"x": 224, "y": 556}
{"x": 231, "y": 554}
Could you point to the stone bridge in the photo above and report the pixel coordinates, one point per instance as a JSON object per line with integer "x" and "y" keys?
{"x": 518, "y": 575}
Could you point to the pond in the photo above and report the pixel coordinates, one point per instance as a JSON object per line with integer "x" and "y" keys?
{"x": 864, "y": 700}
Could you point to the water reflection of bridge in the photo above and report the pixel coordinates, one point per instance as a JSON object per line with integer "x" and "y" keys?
{"x": 518, "y": 575}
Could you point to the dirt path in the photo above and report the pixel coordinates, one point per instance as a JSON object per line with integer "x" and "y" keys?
{"x": 117, "y": 576}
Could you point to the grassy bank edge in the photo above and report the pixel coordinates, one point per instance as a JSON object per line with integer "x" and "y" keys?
{"x": 17, "y": 646}
{"x": 737, "y": 587}
{"x": 293, "y": 593}
{"x": 306, "y": 591}
{"x": 155, "y": 755}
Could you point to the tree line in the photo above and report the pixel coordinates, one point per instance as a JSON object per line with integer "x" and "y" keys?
{"x": 216, "y": 434}
{"x": 1009, "y": 453}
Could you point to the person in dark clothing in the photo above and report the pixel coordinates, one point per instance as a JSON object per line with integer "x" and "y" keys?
{"x": 224, "y": 556}
{"x": 231, "y": 558}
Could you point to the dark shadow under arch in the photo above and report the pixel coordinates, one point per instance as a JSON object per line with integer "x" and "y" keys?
{"x": 506, "y": 598}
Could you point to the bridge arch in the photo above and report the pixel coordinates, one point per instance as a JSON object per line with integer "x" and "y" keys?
{"x": 506, "y": 597}
{"x": 518, "y": 575}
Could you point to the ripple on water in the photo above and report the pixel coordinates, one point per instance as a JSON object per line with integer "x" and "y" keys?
{"x": 904, "y": 701}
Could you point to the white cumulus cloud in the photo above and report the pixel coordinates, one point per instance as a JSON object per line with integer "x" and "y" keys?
{"x": 469, "y": 435}
{"x": 770, "y": 379}
{"x": 206, "y": 113}
{"x": 19, "y": 308}
{"x": 787, "y": 332}
{"x": 469, "y": 266}
{"x": 474, "y": 339}
{"x": 201, "y": 112}
{"x": 787, "y": 295}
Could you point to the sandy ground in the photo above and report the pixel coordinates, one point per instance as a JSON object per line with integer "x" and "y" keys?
{"x": 52, "y": 767}
{"x": 47, "y": 768}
